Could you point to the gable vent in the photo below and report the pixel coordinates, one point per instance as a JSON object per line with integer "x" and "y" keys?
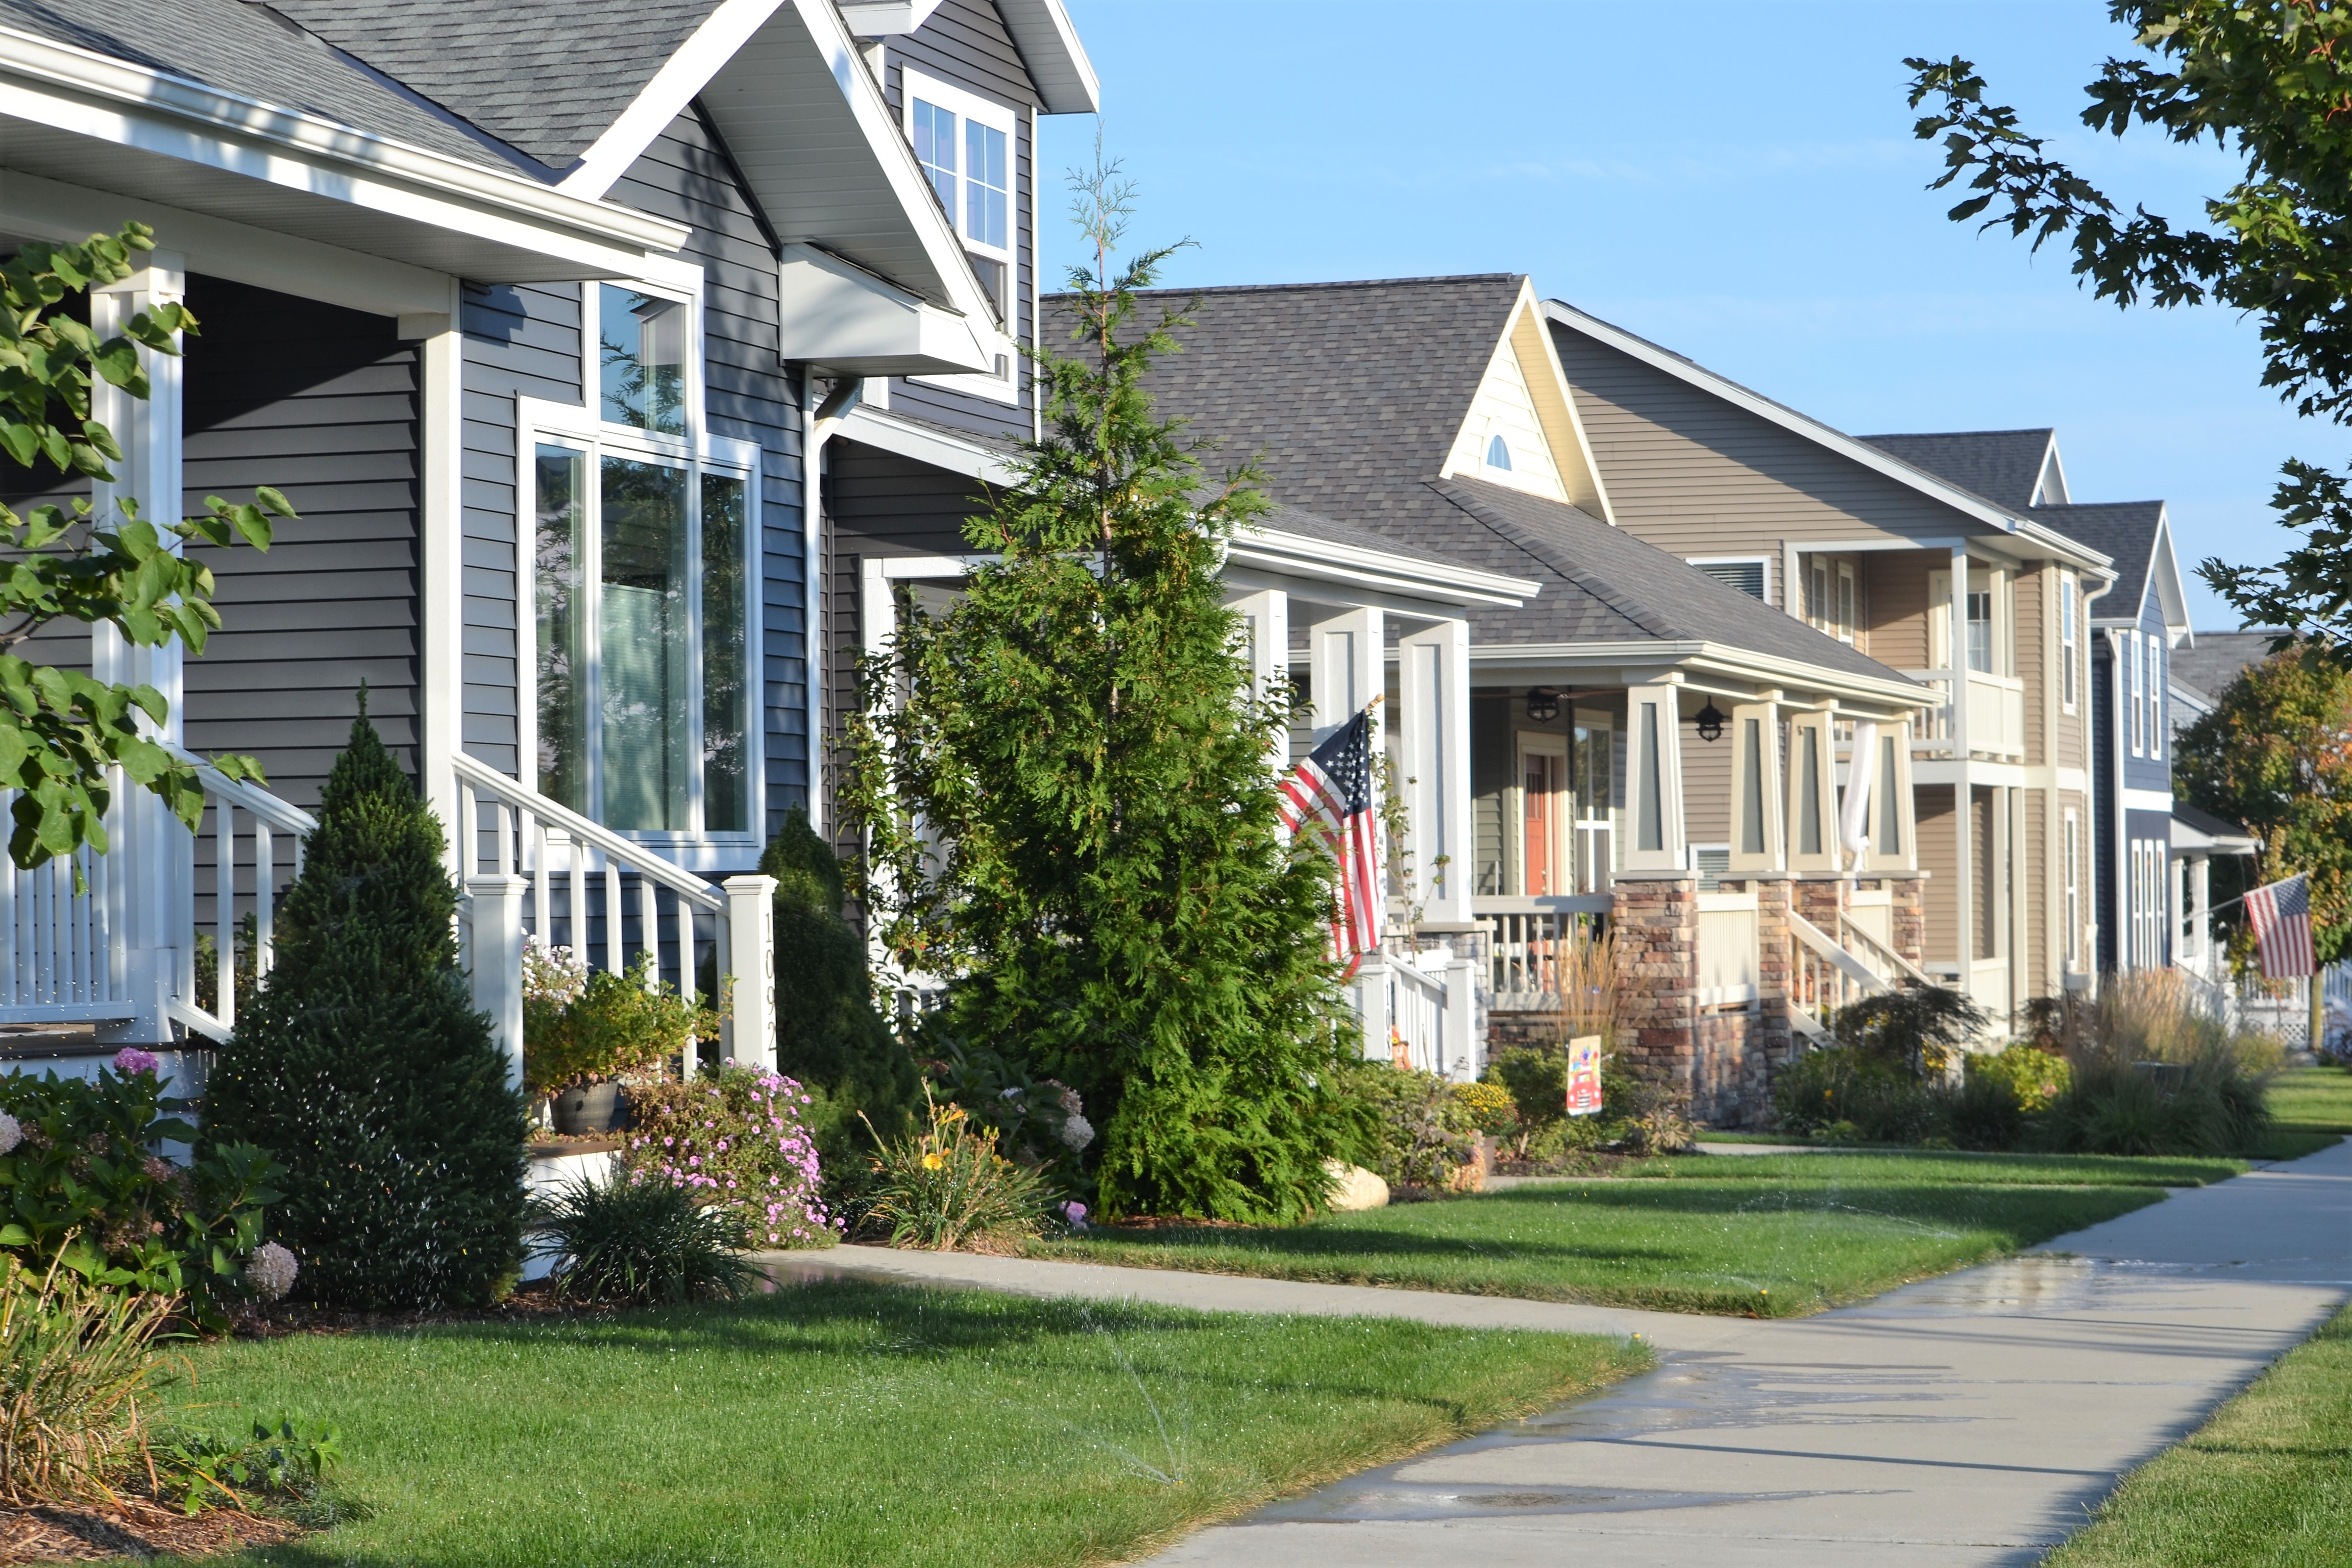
{"x": 1747, "y": 577}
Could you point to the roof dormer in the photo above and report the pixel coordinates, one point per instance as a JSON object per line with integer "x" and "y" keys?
{"x": 1522, "y": 428}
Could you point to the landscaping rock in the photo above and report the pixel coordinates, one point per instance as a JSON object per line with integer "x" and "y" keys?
{"x": 1356, "y": 1188}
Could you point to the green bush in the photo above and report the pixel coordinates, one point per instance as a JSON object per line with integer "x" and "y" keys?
{"x": 735, "y": 1139}
{"x": 2153, "y": 1074}
{"x": 2034, "y": 1077}
{"x": 1638, "y": 1113}
{"x": 948, "y": 1187}
{"x": 1410, "y": 1127}
{"x": 638, "y": 1240}
{"x": 366, "y": 1073}
{"x": 80, "y": 1165}
{"x": 1040, "y": 1122}
{"x": 829, "y": 1035}
{"x": 1852, "y": 1092}
{"x": 582, "y": 1027}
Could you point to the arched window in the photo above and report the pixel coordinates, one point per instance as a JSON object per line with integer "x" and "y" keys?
{"x": 1498, "y": 454}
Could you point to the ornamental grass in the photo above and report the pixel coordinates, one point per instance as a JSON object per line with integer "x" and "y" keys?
{"x": 76, "y": 1359}
{"x": 950, "y": 1188}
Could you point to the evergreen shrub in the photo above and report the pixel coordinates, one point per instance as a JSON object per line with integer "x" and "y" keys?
{"x": 365, "y": 1072}
{"x": 829, "y": 1035}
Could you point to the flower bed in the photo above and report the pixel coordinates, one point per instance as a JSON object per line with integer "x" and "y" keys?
{"x": 737, "y": 1139}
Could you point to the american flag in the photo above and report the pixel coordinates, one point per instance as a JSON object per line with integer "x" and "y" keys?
{"x": 2281, "y": 914}
{"x": 1333, "y": 790}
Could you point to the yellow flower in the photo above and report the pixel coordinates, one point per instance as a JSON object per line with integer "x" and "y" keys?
{"x": 933, "y": 1161}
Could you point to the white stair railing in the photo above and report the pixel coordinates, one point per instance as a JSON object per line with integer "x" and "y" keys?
{"x": 78, "y": 957}
{"x": 517, "y": 847}
{"x": 1822, "y": 978}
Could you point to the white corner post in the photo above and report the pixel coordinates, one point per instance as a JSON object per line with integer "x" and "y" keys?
{"x": 1264, "y": 633}
{"x": 1434, "y": 727}
{"x": 440, "y": 735}
{"x": 1349, "y": 665}
{"x": 1654, "y": 779}
{"x": 750, "y": 1036}
{"x": 493, "y": 913}
{"x": 2176, "y": 908}
{"x": 156, "y": 917}
{"x": 2201, "y": 882}
{"x": 1964, "y": 942}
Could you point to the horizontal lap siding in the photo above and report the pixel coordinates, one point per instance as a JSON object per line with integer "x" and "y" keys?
{"x": 322, "y": 404}
{"x": 63, "y": 643}
{"x": 1939, "y": 857}
{"x": 686, "y": 176}
{"x": 520, "y": 341}
{"x": 1697, "y": 475}
{"x": 964, "y": 43}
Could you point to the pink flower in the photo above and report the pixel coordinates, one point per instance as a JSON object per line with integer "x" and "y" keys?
{"x": 130, "y": 1062}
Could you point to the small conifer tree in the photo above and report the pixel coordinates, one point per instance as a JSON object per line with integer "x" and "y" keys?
{"x": 365, "y": 1071}
{"x": 1072, "y": 810}
{"x": 828, "y": 1035}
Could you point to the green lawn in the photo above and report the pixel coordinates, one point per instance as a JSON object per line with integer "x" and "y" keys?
{"x": 1818, "y": 1230}
{"x": 2311, "y": 1107}
{"x": 863, "y": 1424}
{"x": 2266, "y": 1483}
{"x": 1944, "y": 1166}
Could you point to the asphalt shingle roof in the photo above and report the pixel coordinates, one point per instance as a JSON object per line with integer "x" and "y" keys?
{"x": 2123, "y": 531}
{"x": 254, "y": 52}
{"x": 2215, "y": 659}
{"x": 1352, "y": 394}
{"x": 2002, "y": 465}
{"x": 544, "y": 76}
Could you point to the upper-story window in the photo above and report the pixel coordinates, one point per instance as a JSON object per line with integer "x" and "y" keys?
{"x": 2135, "y": 676}
{"x": 965, "y": 145}
{"x": 1980, "y": 650}
{"x": 2155, "y": 697}
{"x": 641, "y": 349}
{"x": 2069, "y": 644}
{"x": 1832, "y": 596}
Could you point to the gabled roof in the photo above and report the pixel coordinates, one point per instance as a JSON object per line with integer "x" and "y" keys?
{"x": 2005, "y": 467}
{"x": 2138, "y": 536}
{"x": 2217, "y": 658}
{"x": 546, "y": 77}
{"x": 2016, "y": 522}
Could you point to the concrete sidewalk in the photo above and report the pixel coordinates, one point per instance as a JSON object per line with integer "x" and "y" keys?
{"x": 1967, "y": 1420}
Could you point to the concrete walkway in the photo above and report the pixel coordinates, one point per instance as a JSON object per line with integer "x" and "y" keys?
{"x": 1967, "y": 1420}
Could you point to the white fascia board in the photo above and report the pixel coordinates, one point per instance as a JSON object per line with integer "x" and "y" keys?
{"x": 874, "y": 427}
{"x": 1056, "y": 60}
{"x": 839, "y": 317}
{"x": 2061, "y": 547}
{"x": 2166, "y": 569}
{"x": 36, "y": 209}
{"x": 90, "y": 94}
{"x": 1763, "y": 669}
{"x": 1320, "y": 560}
{"x": 1813, "y": 430}
{"x": 710, "y": 46}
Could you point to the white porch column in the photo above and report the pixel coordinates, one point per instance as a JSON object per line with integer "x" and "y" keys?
{"x": 1757, "y": 767}
{"x": 156, "y": 916}
{"x": 1350, "y": 665}
{"x": 2175, "y": 878}
{"x": 750, "y": 1036}
{"x": 2201, "y": 882}
{"x": 1963, "y": 802}
{"x": 1433, "y": 723}
{"x": 1654, "y": 779}
{"x": 1265, "y": 641}
{"x": 494, "y": 912}
{"x": 441, "y": 537}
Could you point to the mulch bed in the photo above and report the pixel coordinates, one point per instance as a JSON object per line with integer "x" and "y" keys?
{"x": 132, "y": 1528}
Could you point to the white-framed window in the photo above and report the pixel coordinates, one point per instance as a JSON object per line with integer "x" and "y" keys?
{"x": 639, "y": 563}
{"x": 2074, "y": 862}
{"x": 2155, "y": 696}
{"x": 2135, "y": 673}
{"x": 1751, "y": 575}
{"x": 1832, "y": 596}
{"x": 2069, "y": 642}
{"x": 966, "y": 143}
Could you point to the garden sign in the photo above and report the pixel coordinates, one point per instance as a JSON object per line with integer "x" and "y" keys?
{"x": 1584, "y": 1075}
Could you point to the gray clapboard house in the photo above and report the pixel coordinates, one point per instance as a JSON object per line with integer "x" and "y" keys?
{"x": 541, "y": 315}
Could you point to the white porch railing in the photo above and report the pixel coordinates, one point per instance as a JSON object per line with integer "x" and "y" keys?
{"x": 121, "y": 953}
{"x": 1995, "y": 714}
{"x": 1417, "y": 1016}
{"x": 1527, "y": 937}
{"x": 1823, "y": 976}
{"x": 518, "y": 850}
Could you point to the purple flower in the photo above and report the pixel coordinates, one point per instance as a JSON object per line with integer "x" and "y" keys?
{"x": 131, "y": 1060}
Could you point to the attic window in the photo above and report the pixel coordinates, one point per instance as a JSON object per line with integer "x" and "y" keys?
{"x": 1498, "y": 454}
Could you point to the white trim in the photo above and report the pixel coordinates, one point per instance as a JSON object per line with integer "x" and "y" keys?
{"x": 2148, "y": 800}
{"x": 1299, "y": 554}
{"x": 442, "y": 546}
{"x": 1058, "y": 67}
{"x": 1768, "y": 670}
{"x": 726, "y": 29}
{"x": 969, "y": 107}
{"x": 90, "y": 94}
{"x": 579, "y": 428}
{"x": 939, "y": 448}
{"x": 1789, "y": 419}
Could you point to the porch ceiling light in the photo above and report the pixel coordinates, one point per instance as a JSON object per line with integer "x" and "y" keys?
{"x": 1543, "y": 704}
{"x": 1710, "y": 721}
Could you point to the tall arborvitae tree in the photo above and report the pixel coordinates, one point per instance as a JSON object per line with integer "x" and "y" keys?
{"x": 828, "y": 1033}
{"x": 1070, "y": 795}
{"x": 365, "y": 1070}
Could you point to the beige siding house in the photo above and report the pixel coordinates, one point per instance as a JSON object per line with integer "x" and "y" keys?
{"x": 1954, "y": 584}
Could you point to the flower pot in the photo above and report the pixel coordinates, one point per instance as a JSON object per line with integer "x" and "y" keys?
{"x": 586, "y": 1108}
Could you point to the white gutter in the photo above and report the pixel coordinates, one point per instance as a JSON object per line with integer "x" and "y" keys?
{"x": 1272, "y": 549}
{"x": 1766, "y": 669}
{"x": 61, "y": 85}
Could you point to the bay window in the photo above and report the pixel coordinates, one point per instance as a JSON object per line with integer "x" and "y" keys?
{"x": 638, "y": 675}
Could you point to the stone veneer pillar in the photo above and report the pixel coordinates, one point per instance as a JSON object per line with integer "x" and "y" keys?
{"x": 1655, "y": 923}
{"x": 1910, "y": 915}
{"x": 1772, "y": 890}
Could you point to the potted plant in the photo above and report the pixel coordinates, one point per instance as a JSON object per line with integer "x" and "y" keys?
{"x": 584, "y": 1031}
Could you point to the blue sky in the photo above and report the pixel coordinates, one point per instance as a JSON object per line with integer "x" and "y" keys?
{"x": 1738, "y": 183}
